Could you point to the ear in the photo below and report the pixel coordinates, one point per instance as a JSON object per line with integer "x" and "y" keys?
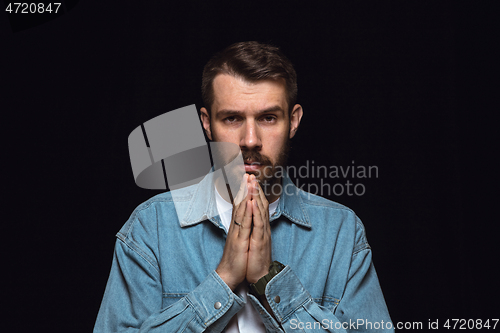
{"x": 205, "y": 120}
{"x": 295, "y": 117}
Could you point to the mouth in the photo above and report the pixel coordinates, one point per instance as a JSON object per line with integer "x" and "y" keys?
{"x": 252, "y": 166}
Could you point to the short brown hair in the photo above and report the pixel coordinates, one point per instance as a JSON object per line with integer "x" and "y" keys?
{"x": 252, "y": 61}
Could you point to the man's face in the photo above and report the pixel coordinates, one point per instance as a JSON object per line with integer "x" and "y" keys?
{"x": 255, "y": 117}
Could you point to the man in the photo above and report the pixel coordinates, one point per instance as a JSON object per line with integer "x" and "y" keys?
{"x": 277, "y": 259}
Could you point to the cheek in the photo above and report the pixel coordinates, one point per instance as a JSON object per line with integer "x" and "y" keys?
{"x": 217, "y": 134}
{"x": 276, "y": 146}
{"x": 224, "y": 136}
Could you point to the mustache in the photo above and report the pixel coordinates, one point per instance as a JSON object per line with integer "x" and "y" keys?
{"x": 255, "y": 156}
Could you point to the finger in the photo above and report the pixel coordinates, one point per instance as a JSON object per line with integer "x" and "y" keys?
{"x": 260, "y": 212}
{"x": 238, "y": 213}
{"x": 262, "y": 196}
{"x": 258, "y": 223}
{"x": 267, "y": 225}
{"x": 249, "y": 184}
{"x": 243, "y": 191}
{"x": 262, "y": 203}
{"x": 246, "y": 224}
{"x": 239, "y": 209}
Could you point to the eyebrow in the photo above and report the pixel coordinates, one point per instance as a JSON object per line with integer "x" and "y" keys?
{"x": 226, "y": 112}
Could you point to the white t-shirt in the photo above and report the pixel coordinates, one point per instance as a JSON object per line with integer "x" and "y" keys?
{"x": 247, "y": 319}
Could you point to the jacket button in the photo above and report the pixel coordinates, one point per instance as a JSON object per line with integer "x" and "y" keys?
{"x": 277, "y": 299}
{"x": 217, "y": 305}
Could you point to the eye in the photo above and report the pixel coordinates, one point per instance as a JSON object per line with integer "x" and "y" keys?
{"x": 269, "y": 119}
{"x": 230, "y": 120}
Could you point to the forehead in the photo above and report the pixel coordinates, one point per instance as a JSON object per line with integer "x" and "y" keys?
{"x": 235, "y": 93}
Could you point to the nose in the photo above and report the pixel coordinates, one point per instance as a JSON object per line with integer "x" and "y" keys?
{"x": 251, "y": 136}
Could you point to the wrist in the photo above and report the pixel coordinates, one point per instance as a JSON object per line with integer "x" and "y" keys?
{"x": 257, "y": 277}
{"x": 227, "y": 279}
{"x": 258, "y": 288}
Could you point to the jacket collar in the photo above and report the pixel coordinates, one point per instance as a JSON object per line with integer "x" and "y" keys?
{"x": 199, "y": 204}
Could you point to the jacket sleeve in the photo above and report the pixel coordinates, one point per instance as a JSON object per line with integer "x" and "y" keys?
{"x": 362, "y": 307}
{"x": 132, "y": 300}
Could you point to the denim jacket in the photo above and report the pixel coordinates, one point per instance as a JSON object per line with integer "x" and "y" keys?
{"x": 163, "y": 275}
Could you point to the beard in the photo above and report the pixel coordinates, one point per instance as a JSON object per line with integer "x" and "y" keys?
{"x": 269, "y": 173}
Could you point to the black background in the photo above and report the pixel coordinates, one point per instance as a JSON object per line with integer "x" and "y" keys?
{"x": 383, "y": 84}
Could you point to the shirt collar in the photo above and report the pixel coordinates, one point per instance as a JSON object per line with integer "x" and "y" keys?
{"x": 202, "y": 206}
{"x": 291, "y": 204}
